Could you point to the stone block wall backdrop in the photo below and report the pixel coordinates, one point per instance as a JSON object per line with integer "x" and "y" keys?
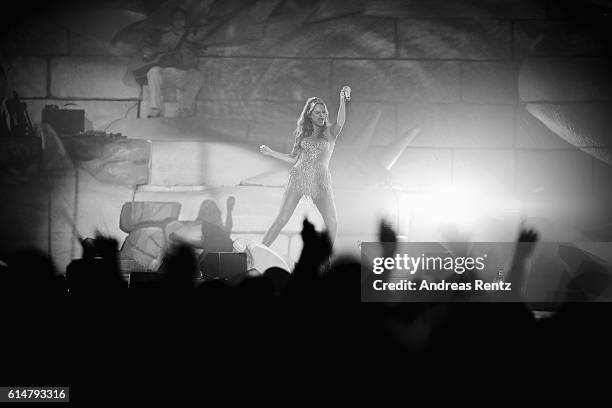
{"x": 449, "y": 67}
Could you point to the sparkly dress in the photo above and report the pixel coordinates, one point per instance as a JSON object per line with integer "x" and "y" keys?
{"x": 310, "y": 175}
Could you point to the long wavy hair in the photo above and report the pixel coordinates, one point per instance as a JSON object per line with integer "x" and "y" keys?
{"x": 304, "y": 126}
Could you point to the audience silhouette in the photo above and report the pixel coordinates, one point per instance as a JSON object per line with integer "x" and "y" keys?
{"x": 315, "y": 309}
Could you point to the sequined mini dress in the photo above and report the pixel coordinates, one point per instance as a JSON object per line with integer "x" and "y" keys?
{"x": 310, "y": 175}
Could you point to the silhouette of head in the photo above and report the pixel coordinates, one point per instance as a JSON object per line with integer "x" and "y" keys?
{"x": 210, "y": 212}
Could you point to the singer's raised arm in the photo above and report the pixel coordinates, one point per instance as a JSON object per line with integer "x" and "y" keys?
{"x": 336, "y": 128}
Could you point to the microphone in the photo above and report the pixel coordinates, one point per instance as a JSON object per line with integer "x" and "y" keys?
{"x": 347, "y": 93}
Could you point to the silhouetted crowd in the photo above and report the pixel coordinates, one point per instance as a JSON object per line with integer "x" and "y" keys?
{"x": 58, "y": 328}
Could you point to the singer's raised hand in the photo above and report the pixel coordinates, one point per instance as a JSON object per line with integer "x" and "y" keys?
{"x": 345, "y": 93}
{"x": 345, "y": 96}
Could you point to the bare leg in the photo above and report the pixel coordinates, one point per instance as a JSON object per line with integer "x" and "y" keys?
{"x": 155, "y": 80}
{"x": 327, "y": 207}
{"x": 291, "y": 198}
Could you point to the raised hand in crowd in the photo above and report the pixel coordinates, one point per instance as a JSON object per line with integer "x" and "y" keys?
{"x": 387, "y": 236}
{"x": 315, "y": 253}
{"x": 525, "y": 247}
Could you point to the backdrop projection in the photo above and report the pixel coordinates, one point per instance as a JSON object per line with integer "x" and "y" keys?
{"x": 466, "y": 121}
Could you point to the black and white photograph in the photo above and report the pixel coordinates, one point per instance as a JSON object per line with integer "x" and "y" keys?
{"x": 289, "y": 183}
